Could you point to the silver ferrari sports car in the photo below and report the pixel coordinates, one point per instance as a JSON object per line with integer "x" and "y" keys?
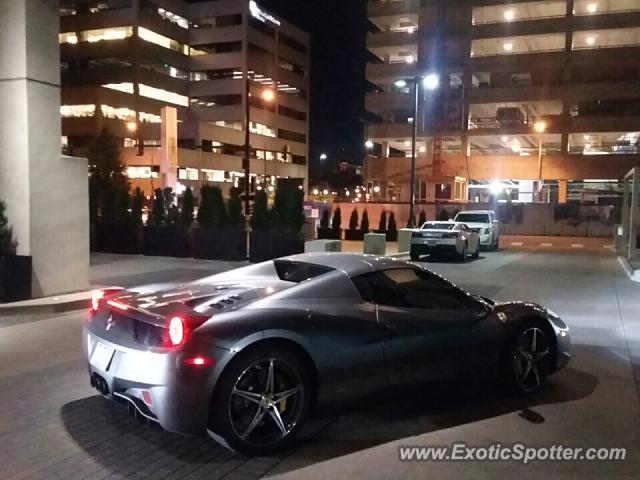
{"x": 247, "y": 355}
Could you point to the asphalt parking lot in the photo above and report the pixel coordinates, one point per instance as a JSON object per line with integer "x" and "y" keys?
{"x": 54, "y": 426}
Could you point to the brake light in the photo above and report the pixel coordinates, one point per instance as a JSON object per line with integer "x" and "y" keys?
{"x": 97, "y": 296}
{"x": 176, "y": 331}
{"x": 180, "y": 326}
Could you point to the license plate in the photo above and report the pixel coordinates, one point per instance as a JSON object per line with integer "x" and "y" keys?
{"x": 101, "y": 357}
{"x": 432, "y": 243}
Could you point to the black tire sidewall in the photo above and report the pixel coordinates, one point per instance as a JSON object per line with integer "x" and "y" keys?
{"x": 508, "y": 374}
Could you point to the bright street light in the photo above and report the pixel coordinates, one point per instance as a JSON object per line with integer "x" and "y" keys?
{"x": 401, "y": 83}
{"x": 368, "y": 144}
{"x": 132, "y": 126}
{"x": 431, "y": 81}
{"x": 540, "y": 126}
{"x": 268, "y": 95}
{"x": 323, "y": 156}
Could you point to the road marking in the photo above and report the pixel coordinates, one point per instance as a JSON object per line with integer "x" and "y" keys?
{"x": 516, "y": 244}
{"x": 546, "y": 244}
{"x": 577, "y": 245}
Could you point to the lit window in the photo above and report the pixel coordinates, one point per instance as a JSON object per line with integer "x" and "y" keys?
{"x": 260, "y": 129}
{"x": 101, "y": 34}
{"x": 161, "y": 40}
{"x": 188, "y": 174}
{"x": 75, "y": 111}
{"x": 141, "y": 172}
{"x": 151, "y": 92}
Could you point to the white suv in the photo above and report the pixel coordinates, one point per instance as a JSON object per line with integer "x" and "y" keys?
{"x": 484, "y": 223}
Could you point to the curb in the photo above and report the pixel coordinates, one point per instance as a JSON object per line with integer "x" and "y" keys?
{"x": 51, "y": 308}
{"x": 633, "y": 275}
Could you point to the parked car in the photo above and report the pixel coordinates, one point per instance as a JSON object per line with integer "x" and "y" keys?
{"x": 245, "y": 356}
{"x": 437, "y": 238}
{"x": 484, "y": 223}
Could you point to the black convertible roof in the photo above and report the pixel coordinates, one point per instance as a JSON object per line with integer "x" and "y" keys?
{"x": 351, "y": 263}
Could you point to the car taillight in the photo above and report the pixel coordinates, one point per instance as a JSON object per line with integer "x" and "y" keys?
{"x": 97, "y": 296}
{"x": 179, "y": 327}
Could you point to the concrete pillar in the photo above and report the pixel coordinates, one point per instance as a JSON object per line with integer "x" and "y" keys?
{"x": 46, "y": 194}
{"x": 562, "y": 191}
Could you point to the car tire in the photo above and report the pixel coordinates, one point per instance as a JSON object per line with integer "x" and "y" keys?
{"x": 527, "y": 361}
{"x": 462, "y": 257}
{"x": 476, "y": 254}
{"x": 414, "y": 256}
{"x": 261, "y": 401}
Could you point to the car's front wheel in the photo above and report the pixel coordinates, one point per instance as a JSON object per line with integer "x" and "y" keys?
{"x": 262, "y": 400}
{"x": 527, "y": 363}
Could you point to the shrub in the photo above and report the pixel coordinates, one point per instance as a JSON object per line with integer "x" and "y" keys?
{"x": 364, "y": 224}
{"x": 324, "y": 220}
{"x": 353, "y": 220}
{"x": 443, "y": 216}
{"x": 336, "y": 221}
{"x": 220, "y": 219}
{"x": 137, "y": 202}
{"x": 260, "y": 216}
{"x": 422, "y": 219}
{"x": 411, "y": 222}
{"x": 382, "y": 226}
{"x": 8, "y": 244}
{"x": 188, "y": 204}
{"x": 392, "y": 223}
{"x": 288, "y": 207}
{"x": 212, "y": 212}
{"x": 234, "y": 210}
{"x": 158, "y": 212}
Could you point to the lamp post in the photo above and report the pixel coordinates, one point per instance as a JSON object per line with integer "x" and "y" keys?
{"x": 268, "y": 95}
{"x": 430, "y": 82}
{"x": 540, "y": 127}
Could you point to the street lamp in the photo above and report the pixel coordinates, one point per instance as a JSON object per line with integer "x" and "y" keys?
{"x": 323, "y": 156}
{"x": 369, "y": 144}
{"x": 267, "y": 95}
{"x": 430, "y": 82}
{"x": 540, "y": 127}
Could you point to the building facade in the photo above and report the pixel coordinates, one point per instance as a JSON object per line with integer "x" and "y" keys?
{"x": 538, "y": 99}
{"x": 163, "y": 74}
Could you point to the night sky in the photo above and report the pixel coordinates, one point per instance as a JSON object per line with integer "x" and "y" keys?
{"x": 338, "y": 35}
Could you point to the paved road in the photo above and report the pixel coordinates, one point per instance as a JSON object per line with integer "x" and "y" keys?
{"x": 53, "y": 426}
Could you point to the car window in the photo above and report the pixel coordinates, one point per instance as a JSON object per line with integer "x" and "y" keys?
{"x": 408, "y": 287}
{"x": 438, "y": 226}
{"x": 297, "y": 272}
{"x": 473, "y": 218}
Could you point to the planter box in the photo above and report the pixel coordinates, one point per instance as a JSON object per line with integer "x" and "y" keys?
{"x": 166, "y": 241}
{"x": 392, "y": 235}
{"x": 270, "y": 244}
{"x": 15, "y": 278}
{"x": 329, "y": 234}
{"x": 219, "y": 244}
{"x": 124, "y": 239}
{"x": 354, "y": 235}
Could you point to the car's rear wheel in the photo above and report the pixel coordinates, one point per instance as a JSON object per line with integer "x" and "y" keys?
{"x": 262, "y": 401}
{"x": 527, "y": 363}
{"x": 476, "y": 254}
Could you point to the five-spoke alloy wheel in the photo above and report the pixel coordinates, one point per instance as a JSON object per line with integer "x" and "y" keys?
{"x": 262, "y": 400}
{"x": 528, "y": 361}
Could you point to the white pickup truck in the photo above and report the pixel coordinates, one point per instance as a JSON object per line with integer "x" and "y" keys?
{"x": 484, "y": 223}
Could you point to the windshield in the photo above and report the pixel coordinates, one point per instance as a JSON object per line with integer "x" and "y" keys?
{"x": 297, "y": 272}
{"x": 438, "y": 226}
{"x": 473, "y": 217}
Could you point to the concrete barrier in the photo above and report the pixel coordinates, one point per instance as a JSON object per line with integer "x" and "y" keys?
{"x": 375, "y": 243}
{"x": 404, "y": 239}
{"x": 323, "y": 246}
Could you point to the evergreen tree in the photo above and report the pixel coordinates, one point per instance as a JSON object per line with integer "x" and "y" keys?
{"x": 218, "y": 208}
{"x": 260, "y": 216}
{"x": 107, "y": 175}
{"x": 234, "y": 210}
{"x": 137, "y": 203}
{"x": 422, "y": 219}
{"x": 324, "y": 220}
{"x": 158, "y": 212}
{"x": 8, "y": 244}
{"x": 205, "y": 210}
{"x": 336, "y": 221}
{"x": 382, "y": 226}
{"x": 288, "y": 207}
{"x": 353, "y": 220}
{"x": 364, "y": 224}
{"x": 392, "y": 223}
{"x": 188, "y": 203}
{"x": 443, "y": 216}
